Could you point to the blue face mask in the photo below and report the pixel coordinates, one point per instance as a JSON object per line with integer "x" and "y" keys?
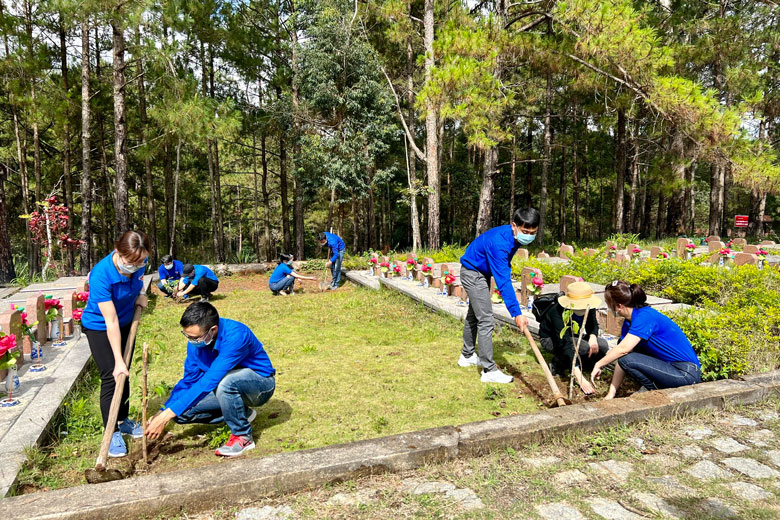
{"x": 202, "y": 343}
{"x": 524, "y": 239}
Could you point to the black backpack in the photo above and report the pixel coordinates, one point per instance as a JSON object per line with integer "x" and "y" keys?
{"x": 543, "y": 304}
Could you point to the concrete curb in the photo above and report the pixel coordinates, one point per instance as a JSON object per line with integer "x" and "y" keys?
{"x": 243, "y": 481}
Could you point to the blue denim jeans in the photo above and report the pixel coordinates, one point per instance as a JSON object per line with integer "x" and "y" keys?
{"x": 282, "y": 285}
{"x": 229, "y": 403}
{"x": 335, "y": 269}
{"x": 653, "y": 373}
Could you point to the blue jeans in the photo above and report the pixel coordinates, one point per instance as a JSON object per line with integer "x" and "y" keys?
{"x": 229, "y": 403}
{"x": 335, "y": 269}
{"x": 653, "y": 373}
{"x": 282, "y": 285}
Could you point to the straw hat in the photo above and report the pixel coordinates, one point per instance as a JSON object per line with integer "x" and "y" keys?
{"x": 579, "y": 296}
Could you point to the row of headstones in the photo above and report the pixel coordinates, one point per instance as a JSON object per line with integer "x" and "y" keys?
{"x": 748, "y": 255}
{"x": 35, "y": 308}
{"x": 435, "y": 276}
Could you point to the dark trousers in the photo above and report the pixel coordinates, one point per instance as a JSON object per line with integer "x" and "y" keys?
{"x": 104, "y": 359}
{"x": 653, "y": 373}
{"x": 205, "y": 287}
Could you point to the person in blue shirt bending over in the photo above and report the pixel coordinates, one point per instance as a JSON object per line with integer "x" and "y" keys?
{"x": 170, "y": 272}
{"x": 653, "y": 349}
{"x": 283, "y": 278}
{"x": 490, "y": 255}
{"x": 336, "y": 256}
{"x": 226, "y": 373}
{"x": 198, "y": 279}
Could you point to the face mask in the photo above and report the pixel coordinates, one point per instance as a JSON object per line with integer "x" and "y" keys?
{"x": 524, "y": 239}
{"x": 129, "y": 268}
{"x": 202, "y": 343}
{"x": 169, "y": 267}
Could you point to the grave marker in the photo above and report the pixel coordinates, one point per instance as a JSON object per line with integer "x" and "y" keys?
{"x": 621, "y": 257}
{"x": 751, "y": 249}
{"x": 739, "y": 242}
{"x": 565, "y": 251}
{"x": 438, "y": 281}
{"x": 522, "y": 254}
{"x": 427, "y": 276}
{"x": 682, "y": 249}
{"x": 745, "y": 259}
{"x": 36, "y": 311}
{"x": 712, "y": 238}
{"x": 767, "y": 243}
{"x": 591, "y": 252}
{"x": 525, "y": 279}
{"x": 654, "y": 251}
{"x": 11, "y": 323}
{"x": 542, "y": 255}
{"x": 373, "y": 264}
{"x": 566, "y": 280}
{"x": 715, "y": 245}
{"x": 614, "y": 325}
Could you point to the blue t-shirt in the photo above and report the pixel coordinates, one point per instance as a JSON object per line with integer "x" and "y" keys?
{"x": 661, "y": 337}
{"x": 200, "y": 272}
{"x": 281, "y": 271}
{"x": 491, "y": 254}
{"x": 173, "y": 273}
{"x": 106, "y": 284}
{"x": 236, "y": 346}
{"x": 335, "y": 244}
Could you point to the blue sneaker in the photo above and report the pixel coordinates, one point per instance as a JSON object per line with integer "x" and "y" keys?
{"x": 117, "y": 447}
{"x": 132, "y": 428}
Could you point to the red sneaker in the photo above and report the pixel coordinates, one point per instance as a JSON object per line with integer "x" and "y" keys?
{"x": 236, "y": 445}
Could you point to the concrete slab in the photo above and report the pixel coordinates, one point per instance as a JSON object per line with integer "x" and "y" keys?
{"x": 5, "y": 292}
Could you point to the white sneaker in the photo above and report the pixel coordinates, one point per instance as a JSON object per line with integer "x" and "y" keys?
{"x": 496, "y": 376}
{"x": 472, "y": 361}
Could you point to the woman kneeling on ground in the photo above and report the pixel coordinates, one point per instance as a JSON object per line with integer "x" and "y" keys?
{"x": 283, "y": 278}
{"x": 653, "y": 349}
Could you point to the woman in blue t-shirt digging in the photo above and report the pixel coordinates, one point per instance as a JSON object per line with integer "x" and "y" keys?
{"x": 283, "y": 277}
{"x": 653, "y": 349}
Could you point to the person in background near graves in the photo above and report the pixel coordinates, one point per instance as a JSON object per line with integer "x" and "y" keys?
{"x": 198, "y": 279}
{"x": 115, "y": 287}
{"x": 226, "y": 373}
{"x": 170, "y": 272}
{"x": 490, "y": 254}
{"x": 283, "y": 277}
{"x": 653, "y": 349}
{"x": 579, "y": 297}
{"x": 336, "y": 256}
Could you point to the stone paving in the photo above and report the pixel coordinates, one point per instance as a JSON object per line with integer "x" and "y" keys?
{"x": 729, "y": 470}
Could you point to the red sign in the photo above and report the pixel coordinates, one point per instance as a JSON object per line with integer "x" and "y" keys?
{"x": 740, "y": 221}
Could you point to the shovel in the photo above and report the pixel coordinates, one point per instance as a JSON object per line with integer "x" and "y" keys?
{"x": 100, "y": 473}
{"x": 550, "y": 379}
{"x": 324, "y": 283}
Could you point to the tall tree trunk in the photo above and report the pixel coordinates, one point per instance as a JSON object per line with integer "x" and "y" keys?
{"x": 620, "y": 167}
{"x": 151, "y": 209}
{"x": 120, "y": 121}
{"x": 70, "y": 257}
{"x": 35, "y": 268}
{"x": 647, "y": 202}
{"x": 21, "y": 158}
{"x": 512, "y": 177}
{"x": 7, "y": 272}
{"x": 674, "y": 216}
{"x": 431, "y": 137}
{"x": 485, "y": 213}
{"x": 300, "y": 251}
{"x": 283, "y": 190}
{"x": 86, "y": 162}
{"x": 218, "y": 194}
{"x": 168, "y": 161}
{"x": 690, "y": 198}
{"x": 268, "y": 238}
{"x": 256, "y": 219}
{"x": 659, "y": 217}
{"x": 109, "y": 203}
{"x": 632, "y": 195}
{"x": 411, "y": 160}
{"x": 547, "y": 153}
{"x": 761, "y": 213}
{"x": 217, "y": 224}
{"x": 576, "y": 189}
{"x": 172, "y": 239}
{"x": 529, "y": 138}
{"x": 355, "y": 224}
{"x": 716, "y": 198}
{"x": 725, "y": 221}
{"x": 562, "y": 194}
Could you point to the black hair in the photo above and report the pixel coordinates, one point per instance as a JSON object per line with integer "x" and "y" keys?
{"x": 167, "y": 259}
{"x": 202, "y": 314}
{"x": 322, "y": 236}
{"x": 188, "y": 268}
{"x": 284, "y": 258}
{"x": 527, "y": 217}
{"x": 620, "y": 293}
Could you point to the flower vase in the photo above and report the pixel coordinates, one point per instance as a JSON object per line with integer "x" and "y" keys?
{"x": 425, "y": 282}
{"x": 444, "y": 291}
{"x": 687, "y": 255}
{"x": 11, "y": 385}
{"x": 721, "y": 262}
{"x": 530, "y": 302}
{"x": 37, "y": 355}
{"x": 371, "y": 270}
{"x": 411, "y": 276}
{"x": 54, "y": 330}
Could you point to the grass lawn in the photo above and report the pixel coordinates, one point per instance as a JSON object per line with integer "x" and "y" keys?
{"x": 351, "y": 365}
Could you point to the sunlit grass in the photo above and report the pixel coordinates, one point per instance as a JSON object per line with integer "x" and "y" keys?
{"x": 351, "y": 365}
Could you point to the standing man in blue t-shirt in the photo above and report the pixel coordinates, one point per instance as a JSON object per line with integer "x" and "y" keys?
{"x": 226, "y": 373}
{"x": 197, "y": 279}
{"x": 170, "y": 272}
{"x": 283, "y": 278}
{"x": 336, "y": 256}
{"x": 490, "y": 254}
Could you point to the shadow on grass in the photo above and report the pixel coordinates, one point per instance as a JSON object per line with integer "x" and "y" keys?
{"x": 270, "y": 414}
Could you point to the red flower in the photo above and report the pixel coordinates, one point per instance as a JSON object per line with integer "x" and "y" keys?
{"x": 82, "y": 296}
{"x": 397, "y": 268}
{"x": 636, "y": 251}
{"x": 410, "y": 261}
{"x": 537, "y": 281}
{"x": 725, "y": 251}
{"x": 77, "y": 314}
{"x": 449, "y": 279}
{"x": 373, "y": 260}
{"x": 52, "y": 303}
{"x": 690, "y": 246}
{"x": 427, "y": 268}
{"x": 7, "y": 342}
{"x": 385, "y": 264}
{"x": 613, "y": 247}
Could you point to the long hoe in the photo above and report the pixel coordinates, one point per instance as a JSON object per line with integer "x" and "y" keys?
{"x": 100, "y": 473}
{"x": 550, "y": 379}
{"x": 324, "y": 283}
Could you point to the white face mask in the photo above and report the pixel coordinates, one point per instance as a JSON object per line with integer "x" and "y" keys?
{"x": 169, "y": 266}
{"x": 129, "y": 268}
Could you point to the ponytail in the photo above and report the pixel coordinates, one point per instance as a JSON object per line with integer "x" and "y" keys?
{"x": 284, "y": 258}
{"x": 621, "y": 293}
